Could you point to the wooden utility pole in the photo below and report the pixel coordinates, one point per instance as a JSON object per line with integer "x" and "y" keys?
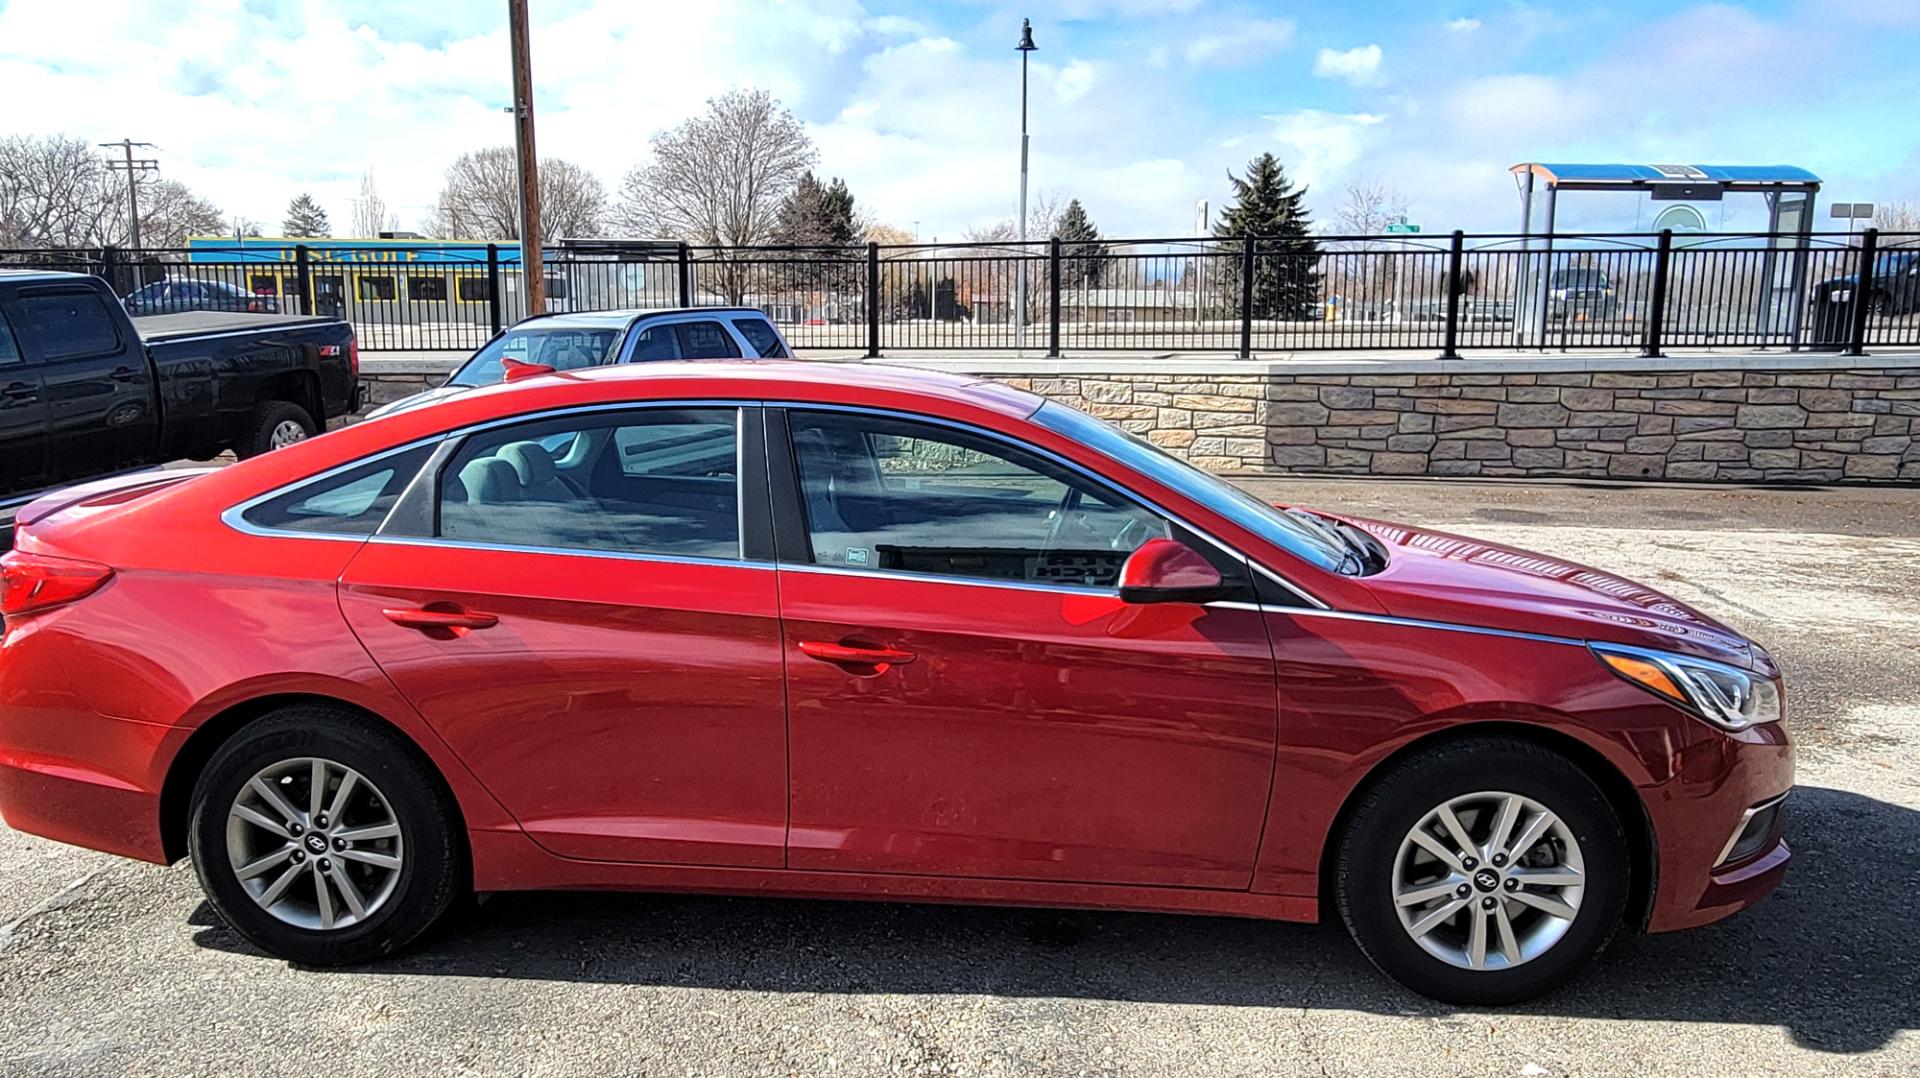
{"x": 532, "y": 262}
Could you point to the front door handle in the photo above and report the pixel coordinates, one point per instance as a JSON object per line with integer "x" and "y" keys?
{"x": 453, "y": 621}
{"x": 20, "y": 391}
{"x": 867, "y": 659}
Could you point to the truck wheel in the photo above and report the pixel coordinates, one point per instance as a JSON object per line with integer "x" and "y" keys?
{"x": 1482, "y": 872}
{"x": 275, "y": 425}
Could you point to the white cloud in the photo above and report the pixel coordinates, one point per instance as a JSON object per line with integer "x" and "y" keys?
{"x": 1463, "y": 25}
{"x": 1359, "y": 66}
{"x": 1238, "y": 41}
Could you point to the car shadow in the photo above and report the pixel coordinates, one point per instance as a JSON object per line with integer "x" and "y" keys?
{"x": 1831, "y": 957}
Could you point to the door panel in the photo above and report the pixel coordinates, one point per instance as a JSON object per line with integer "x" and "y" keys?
{"x": 1033, "y": 734}
{"x": 622, "y": 709}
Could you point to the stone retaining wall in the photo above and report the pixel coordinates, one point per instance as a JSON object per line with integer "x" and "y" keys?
{"x": 1768, "y": 418}
{"x": 1723, "y": 425}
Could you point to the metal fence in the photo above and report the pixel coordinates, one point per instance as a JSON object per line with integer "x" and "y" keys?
{"x": 1445, "y": 295}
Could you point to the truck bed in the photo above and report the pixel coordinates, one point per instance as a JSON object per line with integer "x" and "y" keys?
{"x": 155, "y": 328}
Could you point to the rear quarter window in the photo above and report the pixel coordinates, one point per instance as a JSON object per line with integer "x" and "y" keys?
{"x": 760, "y": 333}
{"x": 352, "y": 501}
{"x": 53, "y": 326}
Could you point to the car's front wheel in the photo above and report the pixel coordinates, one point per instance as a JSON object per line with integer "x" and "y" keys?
{"x": 1483, "y": 871}
{"x": 321, "y": 837}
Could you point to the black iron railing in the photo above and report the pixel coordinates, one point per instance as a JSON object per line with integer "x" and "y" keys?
{"x": 1435, "y": 295}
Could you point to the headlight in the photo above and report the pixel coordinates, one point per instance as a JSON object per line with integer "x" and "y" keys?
{"x": 1726, "y": 696}
{"x": 1842, "y": 295}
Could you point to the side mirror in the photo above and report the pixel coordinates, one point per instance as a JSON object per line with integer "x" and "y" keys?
{"x": 516, "y": 370}
{"x": 1168, "y": 571}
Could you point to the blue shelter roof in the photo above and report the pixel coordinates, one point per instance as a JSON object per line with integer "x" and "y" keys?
{"x": 1635, "y": 175}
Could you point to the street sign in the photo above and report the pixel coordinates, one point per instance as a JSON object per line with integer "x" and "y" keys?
{"x": 1402, "y": 226}
{"x": 1852, "y": 211}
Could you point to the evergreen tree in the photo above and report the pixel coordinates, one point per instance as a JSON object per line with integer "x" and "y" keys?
{"x": 1083, "y": 259}
{"x": 1272, "y": 211}
{"x": 306, "y": 220}
{"x": 818, "y": 217}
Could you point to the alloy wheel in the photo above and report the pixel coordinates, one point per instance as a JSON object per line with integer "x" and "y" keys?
{"x": 285, "y": 433}
{"x": 1488, "y": 881}
{"x": 314, "y": 843}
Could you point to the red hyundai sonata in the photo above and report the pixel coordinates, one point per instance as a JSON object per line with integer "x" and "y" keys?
{"x": 820, "y": 630}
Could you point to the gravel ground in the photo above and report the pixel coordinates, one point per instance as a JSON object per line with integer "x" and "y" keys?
{"x": 108, "y": 966}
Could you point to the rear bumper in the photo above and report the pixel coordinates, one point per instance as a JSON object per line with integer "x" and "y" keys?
{"x": 73, "y": 804}
{"x": 1703, "y": 874}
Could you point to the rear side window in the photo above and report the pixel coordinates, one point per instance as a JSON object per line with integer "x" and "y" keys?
{"x": 349, "y": 502}
{"x": 706, "y": 340}
{"x": 760, "y": 334}
{"x": 52, "y": 326}
{"x": 9, "y": 351}
{"x": 652, "y": 481}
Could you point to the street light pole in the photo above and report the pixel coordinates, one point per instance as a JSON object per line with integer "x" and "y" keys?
{"x": 1020, "y": 289}
{"x": 533, "y": 266}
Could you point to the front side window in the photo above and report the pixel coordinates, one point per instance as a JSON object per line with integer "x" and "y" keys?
{"x": 656, "y": 342}
{"x": 705, "y": 340}
{"x": 760, "y": 333}
{"x": 888, "y": 494}
{"x": 52, "y": 326}
{"x": 352, "y": 501}
{"x": 653, "y": 481}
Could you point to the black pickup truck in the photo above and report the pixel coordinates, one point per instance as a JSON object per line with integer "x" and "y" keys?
{"x": 87, "y": 391}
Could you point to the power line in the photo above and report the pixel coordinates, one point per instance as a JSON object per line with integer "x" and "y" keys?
{"x": 133, "y": 167}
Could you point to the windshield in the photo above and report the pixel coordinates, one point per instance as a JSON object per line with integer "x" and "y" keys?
{"x": 556, "y": 347}
{"x": 1299, "y": 538}
{"x": 1579, "y": 278}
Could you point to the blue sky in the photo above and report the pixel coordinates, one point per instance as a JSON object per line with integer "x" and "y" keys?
{"x": 1139, "y": 109}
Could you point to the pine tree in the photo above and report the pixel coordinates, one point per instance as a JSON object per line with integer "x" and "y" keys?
{"x": 1271, "y": 210}
{"x": 305, "y": 219}
{"x": 820, "y": 218}
{"x": 1083, "y": 258}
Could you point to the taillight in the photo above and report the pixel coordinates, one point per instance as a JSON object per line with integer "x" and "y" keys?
{"x": 353, "y": 353}
{"x": 30, "y": 582}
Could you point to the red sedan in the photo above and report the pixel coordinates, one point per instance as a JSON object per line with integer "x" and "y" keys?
{"x": 819, "y": 630}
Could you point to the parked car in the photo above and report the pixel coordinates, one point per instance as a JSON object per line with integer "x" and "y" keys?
{"x": 85, "y": 391}
{"x": 1896, "y": 285}
{"x": 1580, "y": 292}
{"x": 186, "y": 294}
{"x": 823, "y": 629}
{"x": 567, "y": 342}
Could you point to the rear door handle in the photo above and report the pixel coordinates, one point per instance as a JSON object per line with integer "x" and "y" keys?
{"x": 455, "y": 621}
{"x": 123, "y": 374}
{"x": 20, "y": 391}
{"x": 878, "y": 659}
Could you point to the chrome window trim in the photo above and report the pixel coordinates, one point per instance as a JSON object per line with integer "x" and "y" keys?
{"x": 1028, "y": 447}
{"x": 235, "y": 516}
{"x": 621, "y": 555}
{"x": 1745, "y": 819}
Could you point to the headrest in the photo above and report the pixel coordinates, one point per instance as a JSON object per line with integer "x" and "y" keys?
{"x": 530, "y": 461}
{"x": 490, "y": 481}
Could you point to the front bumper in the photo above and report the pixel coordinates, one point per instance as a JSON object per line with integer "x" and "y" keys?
{"x": 1710, "y": 865}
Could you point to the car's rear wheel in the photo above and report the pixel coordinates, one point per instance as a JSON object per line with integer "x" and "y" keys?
{"x": 1483, "y": 871}
{"x": 275, "y": 425}
{"x": 322, "y": 838}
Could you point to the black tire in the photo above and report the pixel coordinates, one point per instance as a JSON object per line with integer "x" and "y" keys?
{"x": 1390, "y": 808}
{"x": 267, "y": 417}
{"x": 433, "y": 873}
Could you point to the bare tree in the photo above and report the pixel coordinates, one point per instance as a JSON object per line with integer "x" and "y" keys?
{"x": 1897, "y": 216}
{"x": 1368, "y": 207}
{"x": 481, "y": 198}
{"x": 58, "y": 192}
{"x": 719, "y": 179}
{"x": 369, "y": 210}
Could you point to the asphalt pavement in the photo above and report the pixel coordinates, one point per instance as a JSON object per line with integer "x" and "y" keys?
{"x": 109, "y": 967}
